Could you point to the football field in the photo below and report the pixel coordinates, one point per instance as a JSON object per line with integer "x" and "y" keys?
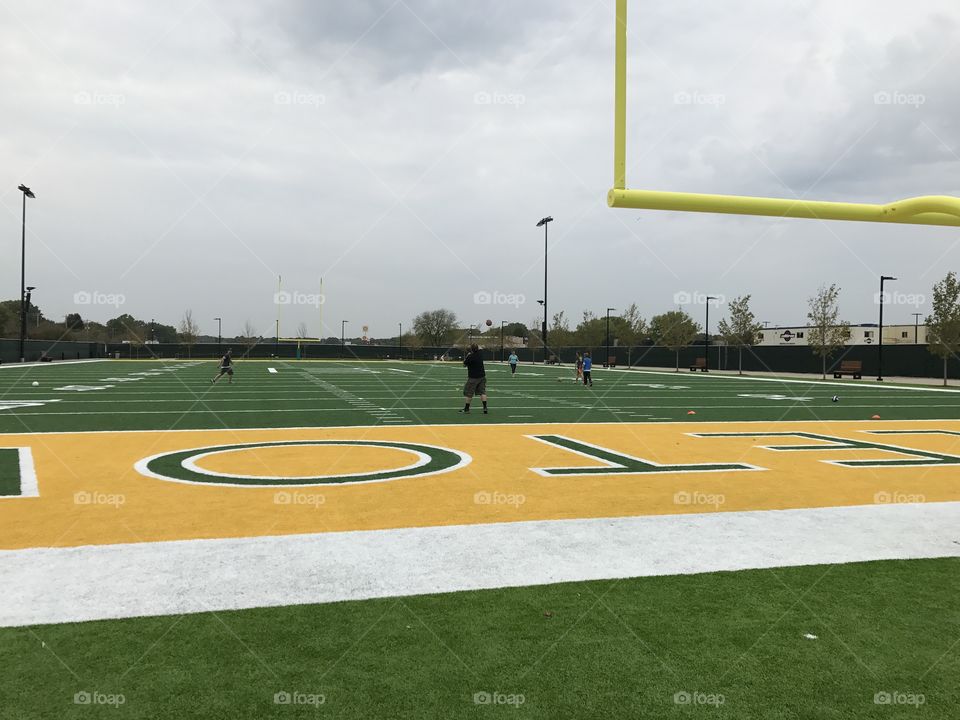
{"x": 334, "y": 539}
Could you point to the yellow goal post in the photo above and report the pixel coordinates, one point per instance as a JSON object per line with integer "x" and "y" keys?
{"x": 927, "y": 210}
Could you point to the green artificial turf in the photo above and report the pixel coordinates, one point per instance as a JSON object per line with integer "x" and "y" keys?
{"x": 605, "y": 649}
{"x": 608, "y": 649}
{"x": 9, "y": 472}
{"x": 343, "y": 393}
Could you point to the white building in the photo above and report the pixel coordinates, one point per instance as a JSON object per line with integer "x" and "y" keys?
{"x": 866, "y": 334}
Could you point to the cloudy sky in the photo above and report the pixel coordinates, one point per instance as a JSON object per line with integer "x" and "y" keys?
{"x": 187, "y": 153}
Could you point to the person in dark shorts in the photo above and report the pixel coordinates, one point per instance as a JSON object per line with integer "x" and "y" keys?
{"x": 587, "y": 367}
{"x": 513, "y": 360}
{"x": 476, "y": 379}
{"x": 579, "y": 376}
{"x": 226, "y": 368}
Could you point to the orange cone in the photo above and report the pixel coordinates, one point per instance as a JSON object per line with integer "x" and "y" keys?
{"x": 875, "y": 417}
{"x": 691, "y": 412}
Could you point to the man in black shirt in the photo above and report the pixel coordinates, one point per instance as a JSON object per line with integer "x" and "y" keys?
{"x": 476, "y": 379}
{"x": 226, "y": 368}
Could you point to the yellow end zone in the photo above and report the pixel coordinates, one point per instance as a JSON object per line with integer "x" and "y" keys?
{"x": 90, "y": 491}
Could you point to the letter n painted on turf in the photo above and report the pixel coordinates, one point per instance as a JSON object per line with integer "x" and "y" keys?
{"x": 615, "y": 463}
{"x": 17, "y": 475}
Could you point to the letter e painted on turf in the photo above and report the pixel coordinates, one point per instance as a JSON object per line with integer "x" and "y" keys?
{"x": 909, "y": 457}
{"x": 615, "y": 463}
{"x": 17, "y": 475}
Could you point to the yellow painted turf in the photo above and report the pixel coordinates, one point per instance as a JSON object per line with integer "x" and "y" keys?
{"x": 90, "y": 492}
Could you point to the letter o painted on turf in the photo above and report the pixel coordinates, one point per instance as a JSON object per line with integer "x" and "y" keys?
{"x": 181, "y": 465}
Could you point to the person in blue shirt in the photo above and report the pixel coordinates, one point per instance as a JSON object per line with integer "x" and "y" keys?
{"x": 513, "y": 360}
{"x": 587, "y": 365}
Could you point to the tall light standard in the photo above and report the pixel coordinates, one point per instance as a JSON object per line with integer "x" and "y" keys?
{"x": 706, "y": 336}
{"x": 544, "y": 223}
{"x": 25, "y": 309}
{"x": 501, "y": 339}
{"x": 916, "y": 327}
{"x": 607, "y": 361}
{"x": 400, "y": 339}
{"x": 543, "y": 327}
{"x": 883, "y": 278}
{"x": 27, "y": 193}
{"x": 219, "y": 332}
{"x": 342, "y": 343}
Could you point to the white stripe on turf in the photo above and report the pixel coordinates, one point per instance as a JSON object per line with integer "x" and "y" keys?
{"x": 51, "y": 585}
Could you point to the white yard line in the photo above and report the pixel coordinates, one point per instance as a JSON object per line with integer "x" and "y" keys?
{"x": 51, "y": 585}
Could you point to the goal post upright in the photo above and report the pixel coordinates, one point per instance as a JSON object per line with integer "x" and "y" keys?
{"x": 941, "y": 210}
{"x": 620, "y": 101}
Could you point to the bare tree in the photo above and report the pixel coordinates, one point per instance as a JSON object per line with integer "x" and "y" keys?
{"x": 189, "y": 330}
{"x": 943, "y": 326}
{"x": 248, "y": 335}
{"x": 742, "y": 330}
{"x": 827, "y": 332}
{"x": 632, "y": 327}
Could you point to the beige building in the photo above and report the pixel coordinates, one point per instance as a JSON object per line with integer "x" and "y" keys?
{"x": 859, "y": 335}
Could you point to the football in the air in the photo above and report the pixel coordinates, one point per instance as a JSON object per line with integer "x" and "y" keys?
{"x": 489, "y": 323}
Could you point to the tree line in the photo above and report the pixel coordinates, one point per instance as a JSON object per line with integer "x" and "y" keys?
{"x": 827, "y": 333}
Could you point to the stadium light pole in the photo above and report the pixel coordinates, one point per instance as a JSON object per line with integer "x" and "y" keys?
{"x": 883, "y": 278}
{"x": 543, "y": 325}
{"x": 706, "y": 336}
{"x": 501, "y": 339}
{"x": 400, "y": 339}
{"x": 606, "y": 362}
{"x": 219, "y": 332}
{"x": 544, "y": 223}
{"x": 916, "y": 328}
{"x": 25, "y": 300}
{"x": 342, "y": 325}
{"x": 27, "y": 193}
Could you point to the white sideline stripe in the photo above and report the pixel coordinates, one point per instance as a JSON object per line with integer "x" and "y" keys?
{"x": 51, "y": 585}
{"x": 57, "y": 363}
{"x": 811, "y": 381}
{"x": 547, "y": 423}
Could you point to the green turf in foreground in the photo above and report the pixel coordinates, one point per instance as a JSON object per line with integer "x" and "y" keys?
{"x": 608, "y": 649}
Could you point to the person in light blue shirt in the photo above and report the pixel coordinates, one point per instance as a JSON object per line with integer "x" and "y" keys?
{"x": 587, "y": 365}
{"x": 513, "y": 360}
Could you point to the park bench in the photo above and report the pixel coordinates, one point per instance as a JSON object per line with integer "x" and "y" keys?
{"x": 849, "y": 367}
